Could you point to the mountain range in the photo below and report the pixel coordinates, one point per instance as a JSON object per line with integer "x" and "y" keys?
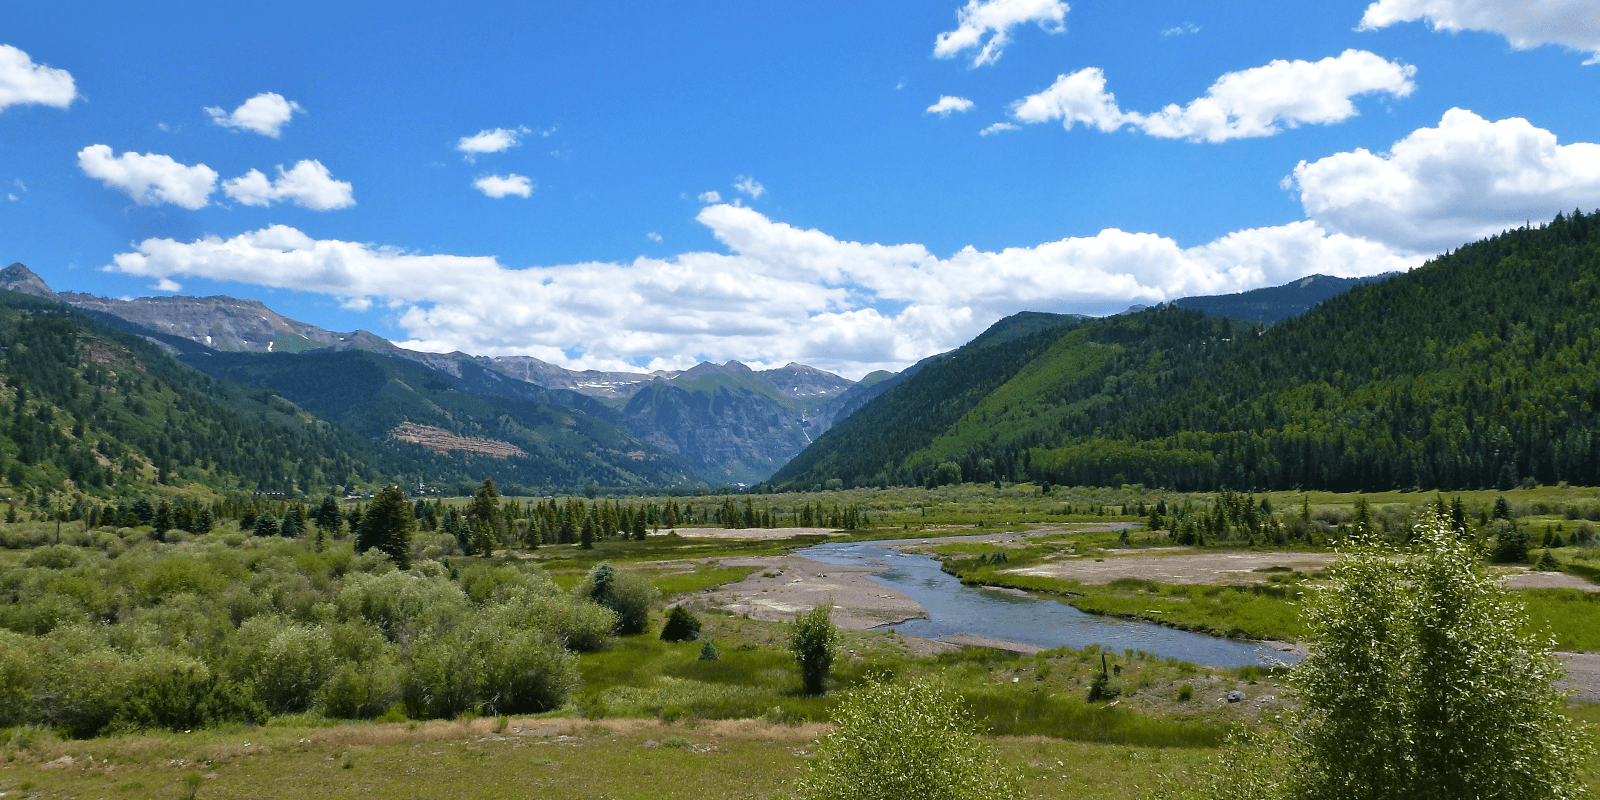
{"x": 450, "y": 416}
{"x": 1478, "y": 369}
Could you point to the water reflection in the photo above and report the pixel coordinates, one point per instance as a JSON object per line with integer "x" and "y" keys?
{"x": 955, "y": 609}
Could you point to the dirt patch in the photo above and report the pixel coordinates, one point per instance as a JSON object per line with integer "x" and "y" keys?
{"x": 753, "y": 533}
{"x": 1179, "y": 567}
{"x": 1524, "y": 579}
{"x": 442, "y": 441}
{"x": 968, "y": 640}
{"x": 1583, "y": 676}
{"x": 787, "y": 585}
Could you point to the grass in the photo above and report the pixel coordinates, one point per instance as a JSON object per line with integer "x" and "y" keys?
{"x": 1570, "y": 616}
{"x": 624, "y": 760}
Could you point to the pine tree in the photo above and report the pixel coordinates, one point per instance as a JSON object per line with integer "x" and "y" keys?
{"x": 388, "y": 526}
{"x": 484, "y": 519}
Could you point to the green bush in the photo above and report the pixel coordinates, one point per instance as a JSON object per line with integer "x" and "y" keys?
{"x": 181, "y": 695}
{"x": 814, "y": 641}
{"x": 629, "y": 595}
{"x": 362, "y": 689}
{"x": 287, "y": 662}
{"x": 682, "y": 626}
{"x": 899, "y": 741}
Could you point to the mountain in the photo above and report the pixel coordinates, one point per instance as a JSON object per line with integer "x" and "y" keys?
{"x": 718, "y": 423}
{"x": 1275, "y": 303}
{"x": 86, "y": 408}
{"x": 1478, "y": 369}
{"x": 18, "y": 278}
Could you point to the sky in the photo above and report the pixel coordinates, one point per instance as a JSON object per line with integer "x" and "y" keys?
{"x": 853, "y": 186}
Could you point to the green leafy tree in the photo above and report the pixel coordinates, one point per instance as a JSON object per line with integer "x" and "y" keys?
{"x": 814, "y": 641}
{"x": 388, "y": 526}
{"x": 1421, "y": 683}
{"x": 893, "y": 741}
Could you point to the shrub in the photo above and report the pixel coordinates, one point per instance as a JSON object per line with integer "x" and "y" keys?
{"x": 178, "y": 695}
{"x": 708, "y": 652}
{"x": 814, "y": 641}
{"x": 629, "y": 595}
{"x": 287, "y": 662}
{"x": 897, "y": 741}
{"x": 682, "y": 626}
{"x": 362, "y": 689}
{"x": 1185, "y": 693}
{"x": 1511, "y": 543}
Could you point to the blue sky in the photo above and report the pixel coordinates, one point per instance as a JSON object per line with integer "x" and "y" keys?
{"x": 870, "y": 230}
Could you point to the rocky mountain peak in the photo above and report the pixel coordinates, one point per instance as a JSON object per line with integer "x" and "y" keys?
{"x": 18, "y": 278}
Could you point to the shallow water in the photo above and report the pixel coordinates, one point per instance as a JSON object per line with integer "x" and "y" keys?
{"x": 956, "y": 609}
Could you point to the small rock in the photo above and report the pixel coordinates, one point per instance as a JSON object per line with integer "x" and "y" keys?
{"x": 1236, "y": 696}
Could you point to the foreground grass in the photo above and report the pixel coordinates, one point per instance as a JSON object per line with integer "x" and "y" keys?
{"x": 543, "y": 758}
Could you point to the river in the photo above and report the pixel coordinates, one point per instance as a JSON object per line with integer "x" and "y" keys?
{"x": 956, "y": 609}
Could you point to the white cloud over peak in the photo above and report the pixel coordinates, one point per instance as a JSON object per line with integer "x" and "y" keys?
{"x": 498, "y": 186}
{"x": 749, "y": 186}
{"x": 490, "y": 140}
{"x": 1443, "y": 187}
{"x": 149, "y": 179}
{"x": 308, "y": 184}
{"x": 996, "y": 19}
{"x": 23, "y": 82}
{"x": 778, "y": 294}
{"x": 948, "y": 105}
{"x": 1261, "y": 101}
{"x": 1526, "y": 24}
{"x": 266, "y": 114}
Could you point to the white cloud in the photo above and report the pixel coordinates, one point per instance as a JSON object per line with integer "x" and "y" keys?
{"x": 23, "y": 82}
{"x": 1526, "y": 24}
{"x": 308, "y": 184}
{"x": 491, "y": 140}
{"x": 749, "y": 186}
{"x": 996, "y": 18}
{"x": 498, "y": 186}
{"x": 167, "y": 285}
{"x": 997, "y": 128}
{"x": 149, "y": 179}
{"x": 1443, "y": 187}
{"x": 778, "y": 294}
{"x": 1185, "y": 29}
{"x": 711, "y": 197}
{"x": 653, "y": 236}
{"x": 1261, "y": 101}
{"x": 266, "y": 114}
{"x": 948, "y": 105}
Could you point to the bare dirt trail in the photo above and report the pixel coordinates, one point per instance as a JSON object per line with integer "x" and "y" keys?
{"x": 788, "y": 585}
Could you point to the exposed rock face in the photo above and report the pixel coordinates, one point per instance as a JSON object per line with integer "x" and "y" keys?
{"x": 219, "y": 322}
{"x": 17, "y": 278}
{"x": 442, "y": 441}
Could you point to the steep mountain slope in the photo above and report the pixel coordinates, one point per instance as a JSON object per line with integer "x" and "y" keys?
{"x": 90, "y": 409}
{"x": 889, "y": 428}
{"x": 1481, "y": 368}
{"x": 374, "y": 394}
{"x": 1276, "y": 303}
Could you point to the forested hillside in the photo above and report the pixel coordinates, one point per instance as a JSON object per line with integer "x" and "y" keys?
{"x": 1478, "y": 369}
{"x": 568, "y": 440}
{"x": 92, "y": 409}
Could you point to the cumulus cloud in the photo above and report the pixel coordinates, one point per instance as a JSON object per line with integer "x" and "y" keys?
{"x": 1261, "y": 101}
{"x": 1574, "y": 24}
{"x": 266, "y": 114}
{"x": 995, "y": 19}
{"x": 779, "y": 293}
{"x": 749, "y": 186}
{"x": 308, "y": 184}
{"x": 711, "y": 197}
{"x": 490, "y": 140}
{"x": 149, "y": 179}
{"x": 23, "y": 82}
{"x": 498, "y": 186}
{"x": 1443, "y": 187}
{"x": 948, "y": 105}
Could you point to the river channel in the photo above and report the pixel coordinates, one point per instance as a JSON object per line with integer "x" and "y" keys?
{"x": 955, "y": 609}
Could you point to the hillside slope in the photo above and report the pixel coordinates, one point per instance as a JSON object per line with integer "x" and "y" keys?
{"x": 1481, "y": 368}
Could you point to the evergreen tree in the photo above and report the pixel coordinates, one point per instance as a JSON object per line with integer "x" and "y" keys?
{"x": 484, "y": 519}
{"x": 388, "y": 526}
{"x": 327, "y": 515}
